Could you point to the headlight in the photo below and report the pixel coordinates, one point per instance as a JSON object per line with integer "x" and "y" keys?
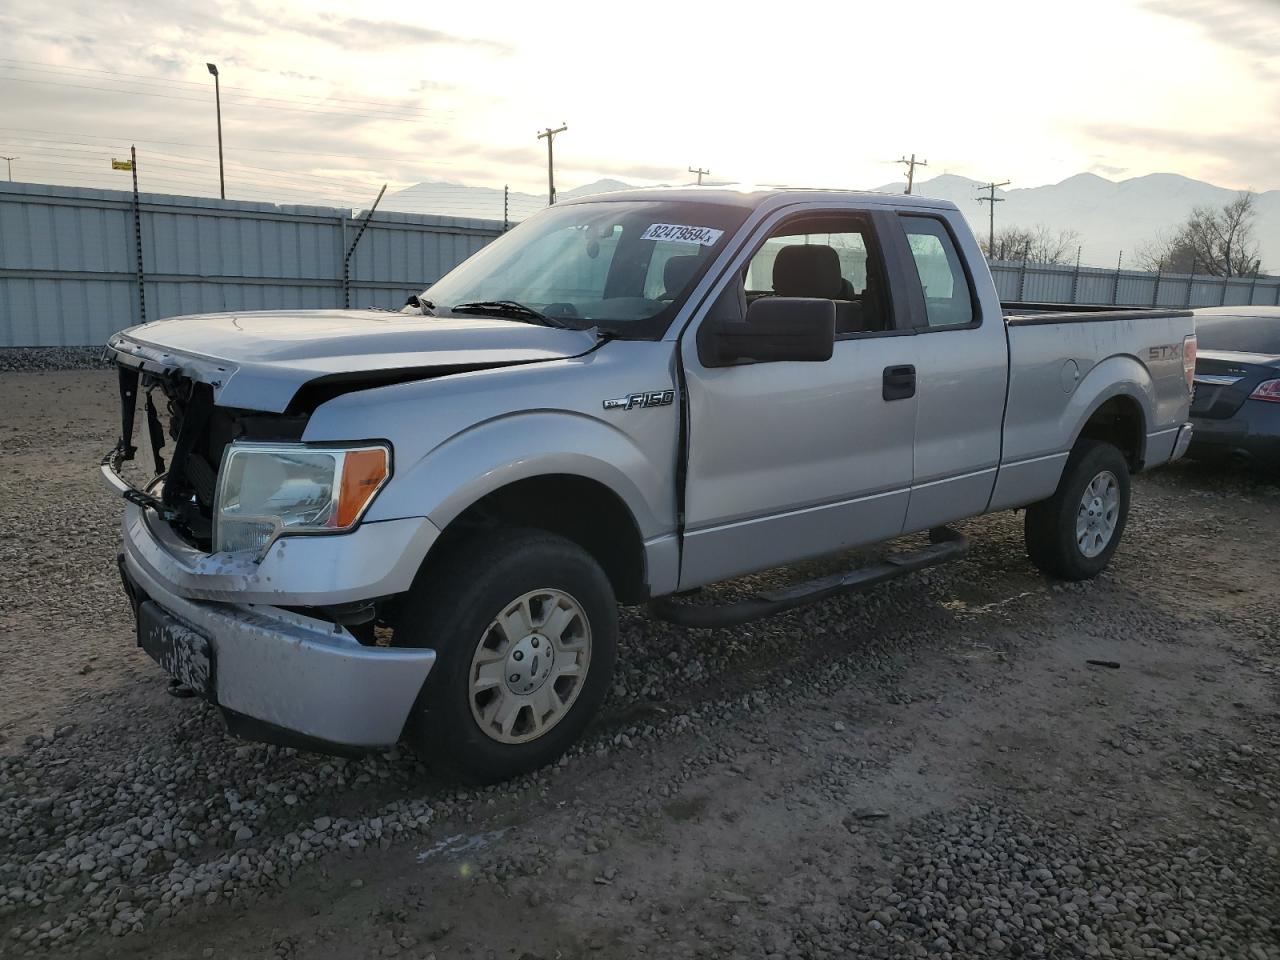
{"x": 266, "y": 490}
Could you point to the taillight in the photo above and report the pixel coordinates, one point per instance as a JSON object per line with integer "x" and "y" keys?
{"x": 1189, "y": 360}
{"x": 1267, "y": 390}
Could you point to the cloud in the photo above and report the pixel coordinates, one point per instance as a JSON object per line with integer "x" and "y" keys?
{"x": 344, "y": 31}
{"x": 1249, "y": 26}
{"x": 1245, "y": 159}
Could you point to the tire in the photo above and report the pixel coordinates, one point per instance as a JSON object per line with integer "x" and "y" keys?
{"x": 1051, "y": 530}
{"x": 539, "y": 581}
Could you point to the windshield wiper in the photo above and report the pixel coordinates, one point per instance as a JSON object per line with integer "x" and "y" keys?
{"x": 514, "y": 310}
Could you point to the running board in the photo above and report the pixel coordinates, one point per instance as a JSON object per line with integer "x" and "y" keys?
{"x": 945, "y": 544}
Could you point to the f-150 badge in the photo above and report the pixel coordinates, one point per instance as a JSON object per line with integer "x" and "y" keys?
{"x": 654, "y": 398}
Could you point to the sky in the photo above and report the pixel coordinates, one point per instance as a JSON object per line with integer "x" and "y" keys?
{"x": 325, "y": 102}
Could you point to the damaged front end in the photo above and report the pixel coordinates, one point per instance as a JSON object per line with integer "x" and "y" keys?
{"x": 280, "y": 639}
{"x": 181, "y": 410}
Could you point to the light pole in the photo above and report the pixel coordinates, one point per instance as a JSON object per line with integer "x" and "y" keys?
{"x": 9, "y": 160}
{"x": 550, "y": 135}
{"x": 217, "y": 98}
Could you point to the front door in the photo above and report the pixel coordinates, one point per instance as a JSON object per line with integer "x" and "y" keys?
{"x": 791, "y": 460}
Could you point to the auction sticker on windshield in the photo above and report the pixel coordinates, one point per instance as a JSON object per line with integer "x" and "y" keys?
{"x": 677, "y": 233}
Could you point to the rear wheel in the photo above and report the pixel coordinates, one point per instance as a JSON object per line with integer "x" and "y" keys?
{"x": 1074, "y": 533}
{"x": 524, "y": 624}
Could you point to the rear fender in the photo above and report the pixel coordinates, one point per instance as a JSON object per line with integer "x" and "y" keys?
{"x": 1040, "y": 447}
{"x": 1117, "y": 376}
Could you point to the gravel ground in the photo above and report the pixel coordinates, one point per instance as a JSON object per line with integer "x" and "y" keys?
{"x": 26, "y": 359}
{"x": 931, "y": 769}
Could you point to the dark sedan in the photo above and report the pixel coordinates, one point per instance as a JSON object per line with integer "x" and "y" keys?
{"x": 1236, "y": 404}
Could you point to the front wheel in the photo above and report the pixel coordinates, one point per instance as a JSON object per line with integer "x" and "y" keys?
{"x": 1074, "y": 533}
{"x": 525, "y": 627}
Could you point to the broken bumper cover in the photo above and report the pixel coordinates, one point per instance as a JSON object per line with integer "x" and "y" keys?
{"x": 376, "y": 559}
{"x": 292, "y": 674}
{"x": 279, "y": 674}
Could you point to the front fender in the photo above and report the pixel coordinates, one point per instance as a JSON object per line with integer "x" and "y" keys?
{"x": 492, "y": 454}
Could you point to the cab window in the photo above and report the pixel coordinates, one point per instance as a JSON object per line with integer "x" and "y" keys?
{"x": 943, "y": 280}
{"x": 831, "y": 258}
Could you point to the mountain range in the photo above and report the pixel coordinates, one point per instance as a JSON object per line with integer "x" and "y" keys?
{"x": 1110, "y": 216}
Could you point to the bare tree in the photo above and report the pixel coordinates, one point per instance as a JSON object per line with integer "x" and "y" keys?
{"x": 1037, "y": 245}
{"x": 1220, "y": 243}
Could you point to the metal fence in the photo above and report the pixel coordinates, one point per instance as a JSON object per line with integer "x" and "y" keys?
{"x": 70, "y": 273}
{"x": 1046, "y": 283}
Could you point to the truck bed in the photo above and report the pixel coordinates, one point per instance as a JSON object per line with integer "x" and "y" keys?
{"x": 1027, "y": 313}
{"x": 1063, "y": 356}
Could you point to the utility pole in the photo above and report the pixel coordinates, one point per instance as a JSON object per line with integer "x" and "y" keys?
{"x": 217, "y": 98}
{"x": 911, "y": 170}
{"x": 549, "y": 135}
{"x": 10, "y": 160}
{"x": 992, "y": 199}
{"x": 700, "y": 172}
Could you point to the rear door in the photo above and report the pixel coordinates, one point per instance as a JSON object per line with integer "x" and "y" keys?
{"x": 790, "y": 460}
{"x": 962, "y": 367}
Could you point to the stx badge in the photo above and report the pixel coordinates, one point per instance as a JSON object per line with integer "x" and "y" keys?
{"x": 654, "y": 398}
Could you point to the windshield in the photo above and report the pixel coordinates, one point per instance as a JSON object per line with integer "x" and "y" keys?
{"x": 624, "y": 266}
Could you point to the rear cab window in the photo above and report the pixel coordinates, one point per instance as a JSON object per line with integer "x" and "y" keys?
{"x": 943, "y": 280}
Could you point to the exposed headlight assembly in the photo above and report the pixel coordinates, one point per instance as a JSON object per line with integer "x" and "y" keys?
{"x": 269, "y": 490}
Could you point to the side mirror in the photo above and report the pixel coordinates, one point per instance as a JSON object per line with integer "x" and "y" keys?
{"x": 776, "y": 328}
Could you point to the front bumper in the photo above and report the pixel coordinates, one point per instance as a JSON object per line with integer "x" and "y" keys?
{"x": 278, "y": 674}
{"x": 292, "y": 673}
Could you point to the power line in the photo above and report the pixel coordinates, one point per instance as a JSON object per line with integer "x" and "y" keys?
{"x": 303, "y": 181}
{"x": 186, "y": 178}
{"x": 399, "y": 110}
{"x": 41, "y": 146}
{"x": 58, "y": 70}
{"x": 281, "y": 105}
{"x": 207, "y": 146}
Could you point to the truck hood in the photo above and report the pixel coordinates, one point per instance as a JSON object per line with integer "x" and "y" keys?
{"x": 259, "y": 361}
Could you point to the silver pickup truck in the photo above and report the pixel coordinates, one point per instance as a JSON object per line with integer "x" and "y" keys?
{"x": 365, "y": 526}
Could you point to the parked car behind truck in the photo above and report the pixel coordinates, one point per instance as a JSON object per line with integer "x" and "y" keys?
{"x": 371, "y": 526}
{"x": 1236, "y": 404}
